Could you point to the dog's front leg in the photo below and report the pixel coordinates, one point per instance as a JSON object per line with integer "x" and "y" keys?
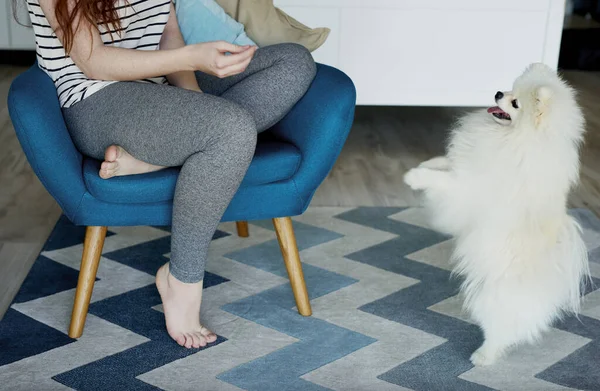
{"x": 437, "y": 163}
{"x": 422, "y": 178}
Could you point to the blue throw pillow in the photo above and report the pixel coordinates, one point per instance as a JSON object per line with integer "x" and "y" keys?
{"x": 205, "y": 21}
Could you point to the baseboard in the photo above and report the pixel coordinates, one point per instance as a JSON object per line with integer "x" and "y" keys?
{"x": 17, "y": 57}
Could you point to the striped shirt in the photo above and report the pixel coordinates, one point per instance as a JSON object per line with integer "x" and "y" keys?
{"x": 142, "y": 25}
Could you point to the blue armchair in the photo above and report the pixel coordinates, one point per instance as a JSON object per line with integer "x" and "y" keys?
{"x": 291, "y": 161}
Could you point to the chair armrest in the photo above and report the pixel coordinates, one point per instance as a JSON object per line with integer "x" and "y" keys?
{"x": 37, "y": 118}
{"x": 318, "y": 126}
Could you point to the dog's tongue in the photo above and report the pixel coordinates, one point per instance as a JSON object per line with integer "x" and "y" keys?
{"x": 495, "y": 109}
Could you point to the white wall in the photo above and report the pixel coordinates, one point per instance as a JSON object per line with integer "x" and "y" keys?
{"x": 21, "y": 36}
{"x": 4, "y": 34}
{"x": 12, "y": 34}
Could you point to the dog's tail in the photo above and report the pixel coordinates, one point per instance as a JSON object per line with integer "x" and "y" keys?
{"x": 574, "y": 263}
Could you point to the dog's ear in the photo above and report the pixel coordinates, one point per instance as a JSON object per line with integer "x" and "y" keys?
{"x": 543, "y": 96}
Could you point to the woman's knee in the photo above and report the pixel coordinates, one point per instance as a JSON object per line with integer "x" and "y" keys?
{"x": 238, "y": 132}
{"x": 299, "y": 59}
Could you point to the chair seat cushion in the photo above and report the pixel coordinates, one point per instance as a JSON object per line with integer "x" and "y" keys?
{"x": 273, "y": 161}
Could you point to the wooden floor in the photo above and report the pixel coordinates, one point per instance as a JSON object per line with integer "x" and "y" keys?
{"x": 383, "y": 144}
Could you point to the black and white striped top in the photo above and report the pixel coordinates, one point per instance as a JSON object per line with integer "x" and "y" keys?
{"x": 142, "y": 25}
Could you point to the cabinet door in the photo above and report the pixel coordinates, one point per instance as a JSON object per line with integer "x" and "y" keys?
{"x": 4, "y": 15}
{"x": 21, "y": 37}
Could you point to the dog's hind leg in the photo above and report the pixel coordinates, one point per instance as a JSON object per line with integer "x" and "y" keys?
{"x": 488, "y": 353}
{"x": 501, "y": 332}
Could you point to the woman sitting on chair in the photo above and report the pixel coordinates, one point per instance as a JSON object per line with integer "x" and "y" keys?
{"x": 107, "y": 59}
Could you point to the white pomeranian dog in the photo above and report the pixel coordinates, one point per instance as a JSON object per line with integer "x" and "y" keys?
{"x": 501, "y": 191}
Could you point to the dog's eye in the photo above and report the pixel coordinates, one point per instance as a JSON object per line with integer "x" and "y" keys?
{"x": 515, "y": 104}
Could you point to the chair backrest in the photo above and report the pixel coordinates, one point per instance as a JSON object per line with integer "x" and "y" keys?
{"x": 318, "y": 125}
{"x": 37, "y": 118}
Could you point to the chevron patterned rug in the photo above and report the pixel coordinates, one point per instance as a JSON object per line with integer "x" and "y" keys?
{"x": 386, "y": 315}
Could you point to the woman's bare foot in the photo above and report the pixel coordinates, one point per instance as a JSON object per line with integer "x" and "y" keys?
{"x": 181, "y": 303}
{"x": 118, "y": 162}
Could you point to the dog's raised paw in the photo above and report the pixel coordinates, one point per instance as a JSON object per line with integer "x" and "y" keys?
{"x": 413, "y": 179}
{"x": 482, "y": 357}
{"x": 437, "y": 163}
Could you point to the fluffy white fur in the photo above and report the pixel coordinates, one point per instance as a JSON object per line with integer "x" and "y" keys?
{"x": 501, "y": 191}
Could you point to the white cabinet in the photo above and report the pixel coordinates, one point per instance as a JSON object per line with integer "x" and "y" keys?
{"x": 14, "y": 36}
{"x": 433, "y": 52}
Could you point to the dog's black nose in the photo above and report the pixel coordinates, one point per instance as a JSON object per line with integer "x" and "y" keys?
{"x": 499, "y": 95}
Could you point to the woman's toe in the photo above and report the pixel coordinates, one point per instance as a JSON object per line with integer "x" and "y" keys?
{"x": 112, "y": 153}
{"x": 202, "y": 338}
{"x": 210, "y": 338}
{"x": 180, "y": 339}
{"x": 208, "y": 335}
{"x": 110, "y": 166}
{"x": 108, "y": 169}
{"x": 105, "y": 174}
{"x": 189, "y": 341}
{"x": 197, "y": 340}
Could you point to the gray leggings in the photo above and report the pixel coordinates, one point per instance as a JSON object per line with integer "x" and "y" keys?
{"x": 212, "y": 135}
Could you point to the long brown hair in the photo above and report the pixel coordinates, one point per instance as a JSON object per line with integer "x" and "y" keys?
{"x": 96, "y": 12}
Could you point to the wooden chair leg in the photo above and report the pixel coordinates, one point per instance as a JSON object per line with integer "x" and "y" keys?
{"x": 242, "y": 229}
{"x": 92, "y": 249}
{"x": 291, "y": 257}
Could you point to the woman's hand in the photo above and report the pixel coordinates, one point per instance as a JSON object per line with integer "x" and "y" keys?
{"x": 211, "y": 58}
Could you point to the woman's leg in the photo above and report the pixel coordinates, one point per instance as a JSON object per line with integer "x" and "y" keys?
{"x": 276, "y": 78}
{"x": 211, "y": 138}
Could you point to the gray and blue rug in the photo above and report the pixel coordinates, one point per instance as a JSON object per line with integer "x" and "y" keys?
{"x": 386, "y": 316}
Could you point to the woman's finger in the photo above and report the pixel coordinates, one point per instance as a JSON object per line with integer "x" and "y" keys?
{"x": 224, "y": 47}
{"x": 233, "y": 59}
{"x": 238, "y": 68}
{"x": 224, "y": 61}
